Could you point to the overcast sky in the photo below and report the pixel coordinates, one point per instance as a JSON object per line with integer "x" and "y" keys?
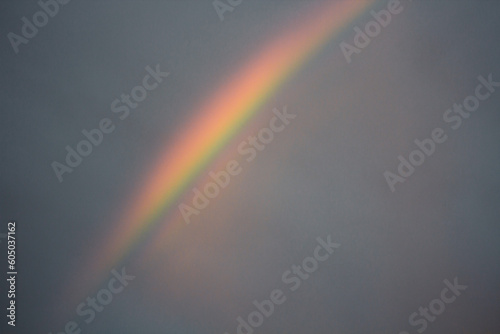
{"x": 323, "y": 175}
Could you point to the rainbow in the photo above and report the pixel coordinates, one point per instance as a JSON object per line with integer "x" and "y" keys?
{"x": 216, "y": 121}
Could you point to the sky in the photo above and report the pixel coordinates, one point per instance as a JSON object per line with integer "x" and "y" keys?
{"x": 332, "y": 108}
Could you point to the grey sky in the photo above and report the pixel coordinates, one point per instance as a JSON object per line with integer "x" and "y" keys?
{"x": 323, "y": 175}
